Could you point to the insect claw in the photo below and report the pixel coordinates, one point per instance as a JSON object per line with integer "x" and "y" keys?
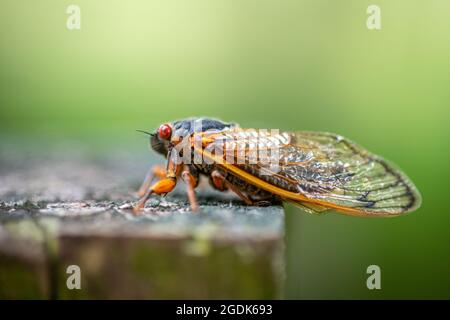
{"x": 262, "y": 203}
{"x": 195, "y": 208}
{"x": 137, "y": 209}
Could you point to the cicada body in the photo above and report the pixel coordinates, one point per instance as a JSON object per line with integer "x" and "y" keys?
{"x": 314, "y": 170}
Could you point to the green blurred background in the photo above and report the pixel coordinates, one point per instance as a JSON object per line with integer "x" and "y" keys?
{"x": 272, "y": 64}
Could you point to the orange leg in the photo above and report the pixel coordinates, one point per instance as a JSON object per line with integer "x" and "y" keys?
{"x": 191, "y": 184}
{"x": 157, "y": 171}
{"x": 222, "y": 184}
{"x": 218, "y": 181}
{"x": 163, "y": 186}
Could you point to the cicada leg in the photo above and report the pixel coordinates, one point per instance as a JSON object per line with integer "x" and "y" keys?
{"x": 221, "y": 184}
{"x": 191, "y": 183}
{"x": 163, "y": 186}
{"x": 157, "y": 171}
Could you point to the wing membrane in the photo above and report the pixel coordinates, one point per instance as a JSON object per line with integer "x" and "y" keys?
{"x": 328, "y": 170}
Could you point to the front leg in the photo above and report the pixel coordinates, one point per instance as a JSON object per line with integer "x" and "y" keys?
{"x": 157, "y": 171}
{"x": 161, "y": 187}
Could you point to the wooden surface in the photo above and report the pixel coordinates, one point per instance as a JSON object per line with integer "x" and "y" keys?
{"x": 69, "y": 209}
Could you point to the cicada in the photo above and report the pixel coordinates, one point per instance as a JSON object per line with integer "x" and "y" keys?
{"x": 315, "y": 171}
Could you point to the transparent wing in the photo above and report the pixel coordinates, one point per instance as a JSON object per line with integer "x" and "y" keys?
{"x": 343, "y": 173}
{"x": 330, "y": 171}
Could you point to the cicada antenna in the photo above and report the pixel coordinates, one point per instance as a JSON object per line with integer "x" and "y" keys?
{"x": 146, "y": 132}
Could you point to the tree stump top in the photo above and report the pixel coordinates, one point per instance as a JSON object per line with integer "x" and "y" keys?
{"x": 56, "y": 207}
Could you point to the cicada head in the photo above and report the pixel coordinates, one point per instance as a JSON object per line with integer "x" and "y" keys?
{"x": 160, "y": 139}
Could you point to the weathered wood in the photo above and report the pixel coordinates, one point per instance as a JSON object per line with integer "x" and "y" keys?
{"x": 78, "y": 213}
{"x": 23, "y": 262}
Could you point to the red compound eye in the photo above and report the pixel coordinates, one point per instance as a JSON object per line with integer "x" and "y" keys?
{"x": 165, "y": 131}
